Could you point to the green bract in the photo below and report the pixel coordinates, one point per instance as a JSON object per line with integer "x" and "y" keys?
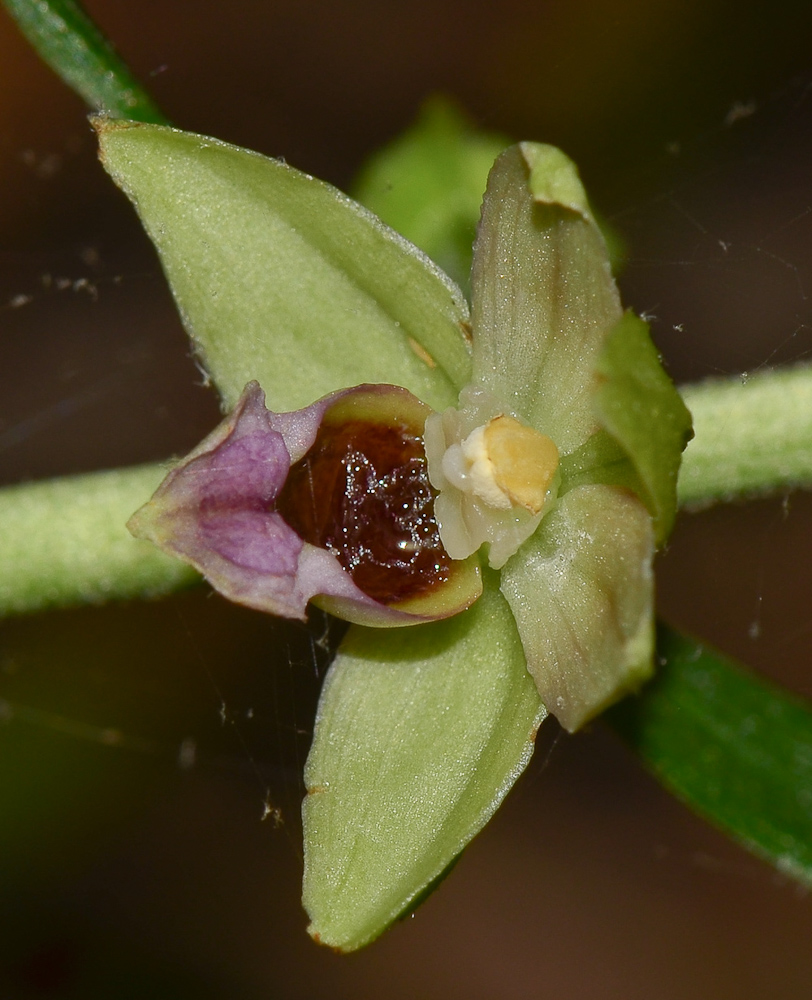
{"x": 282, "y": 279}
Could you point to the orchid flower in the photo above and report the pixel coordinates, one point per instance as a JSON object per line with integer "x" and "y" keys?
{"x": 539, "y": 435}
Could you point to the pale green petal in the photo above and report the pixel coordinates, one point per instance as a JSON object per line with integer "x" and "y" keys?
{"x": 417, "y": 742}
{"x": 554, "y": 178}
{"x": 581, "y": 592}
{"x": 281, "y": 278}
{"x": 543, "y": 295}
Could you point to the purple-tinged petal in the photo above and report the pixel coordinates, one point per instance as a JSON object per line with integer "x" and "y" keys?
{"x": 217, "y": 511}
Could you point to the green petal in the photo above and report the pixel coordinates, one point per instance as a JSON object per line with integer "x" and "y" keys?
{"x": 640, "y": 407}
{"x": 428, "y": 184}
{"x": 581, "y": 593}
{"x": 416, "y": 745}
{"x": 543, "y": 294}
{"x": 600, "y": 459}
{"x": 554, "y": 179}
{"x": 281, "y": 278}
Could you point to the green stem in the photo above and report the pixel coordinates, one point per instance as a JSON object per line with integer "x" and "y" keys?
{"x": 64, "y": 542}
{"x": 72, "y": 45}
{"x": 752, "y": 436}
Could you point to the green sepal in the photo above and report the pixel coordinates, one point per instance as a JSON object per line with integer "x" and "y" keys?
{"x": 639, "y": 406}
{"x": 428, "y": 184}
{"x": 281, "y": 278}
{"x": 416, "y": 745}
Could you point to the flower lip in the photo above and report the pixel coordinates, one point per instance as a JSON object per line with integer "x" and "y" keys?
{"x": 361, "y": 492}
{"x": 221, "y": 509}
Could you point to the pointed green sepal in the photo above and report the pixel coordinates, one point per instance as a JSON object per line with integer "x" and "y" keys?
{"x": 415, "y": 747}
{"x": 282, "y": 279}
{"x": 640, "y": 407}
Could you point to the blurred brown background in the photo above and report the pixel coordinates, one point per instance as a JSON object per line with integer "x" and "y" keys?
{"x": 143, "y": 870}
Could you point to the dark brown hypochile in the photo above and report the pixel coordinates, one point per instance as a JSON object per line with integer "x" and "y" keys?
{"x": 362, "y": 491}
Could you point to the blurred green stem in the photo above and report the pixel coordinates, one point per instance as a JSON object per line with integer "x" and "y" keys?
{"x": 753, "y": 436}
{"x": 71, "y": 44}
{"x": 64, "y": 541}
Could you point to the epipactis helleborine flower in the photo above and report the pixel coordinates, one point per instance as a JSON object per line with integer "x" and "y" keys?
{"x": 554, "y": 445}
{"x": 560, "y": 458}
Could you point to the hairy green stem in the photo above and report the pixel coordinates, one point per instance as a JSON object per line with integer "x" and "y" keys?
{"x": 752, "y": 436}
{"x": 63, "y": 541}
{"x": 71, "y": 44}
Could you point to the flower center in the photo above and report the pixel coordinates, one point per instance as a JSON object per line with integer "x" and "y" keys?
{"x": 362, "y": 491}
{"x": 507, "y": 464}
{"x": 495, "y": 476}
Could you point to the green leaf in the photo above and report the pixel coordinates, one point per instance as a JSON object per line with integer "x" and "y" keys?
{"x": 281, "y": 278}
{"x": 640, "y": 407}
{"x": 581, "y": 592}
{"x": 543, "y": 295}
{"x": 64, "y": 542}
{"x": 428, "y": 184}
{"x": 732, "y": 746}
{"x": 417, "y": 742}
{"x": 72, "y": 45}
